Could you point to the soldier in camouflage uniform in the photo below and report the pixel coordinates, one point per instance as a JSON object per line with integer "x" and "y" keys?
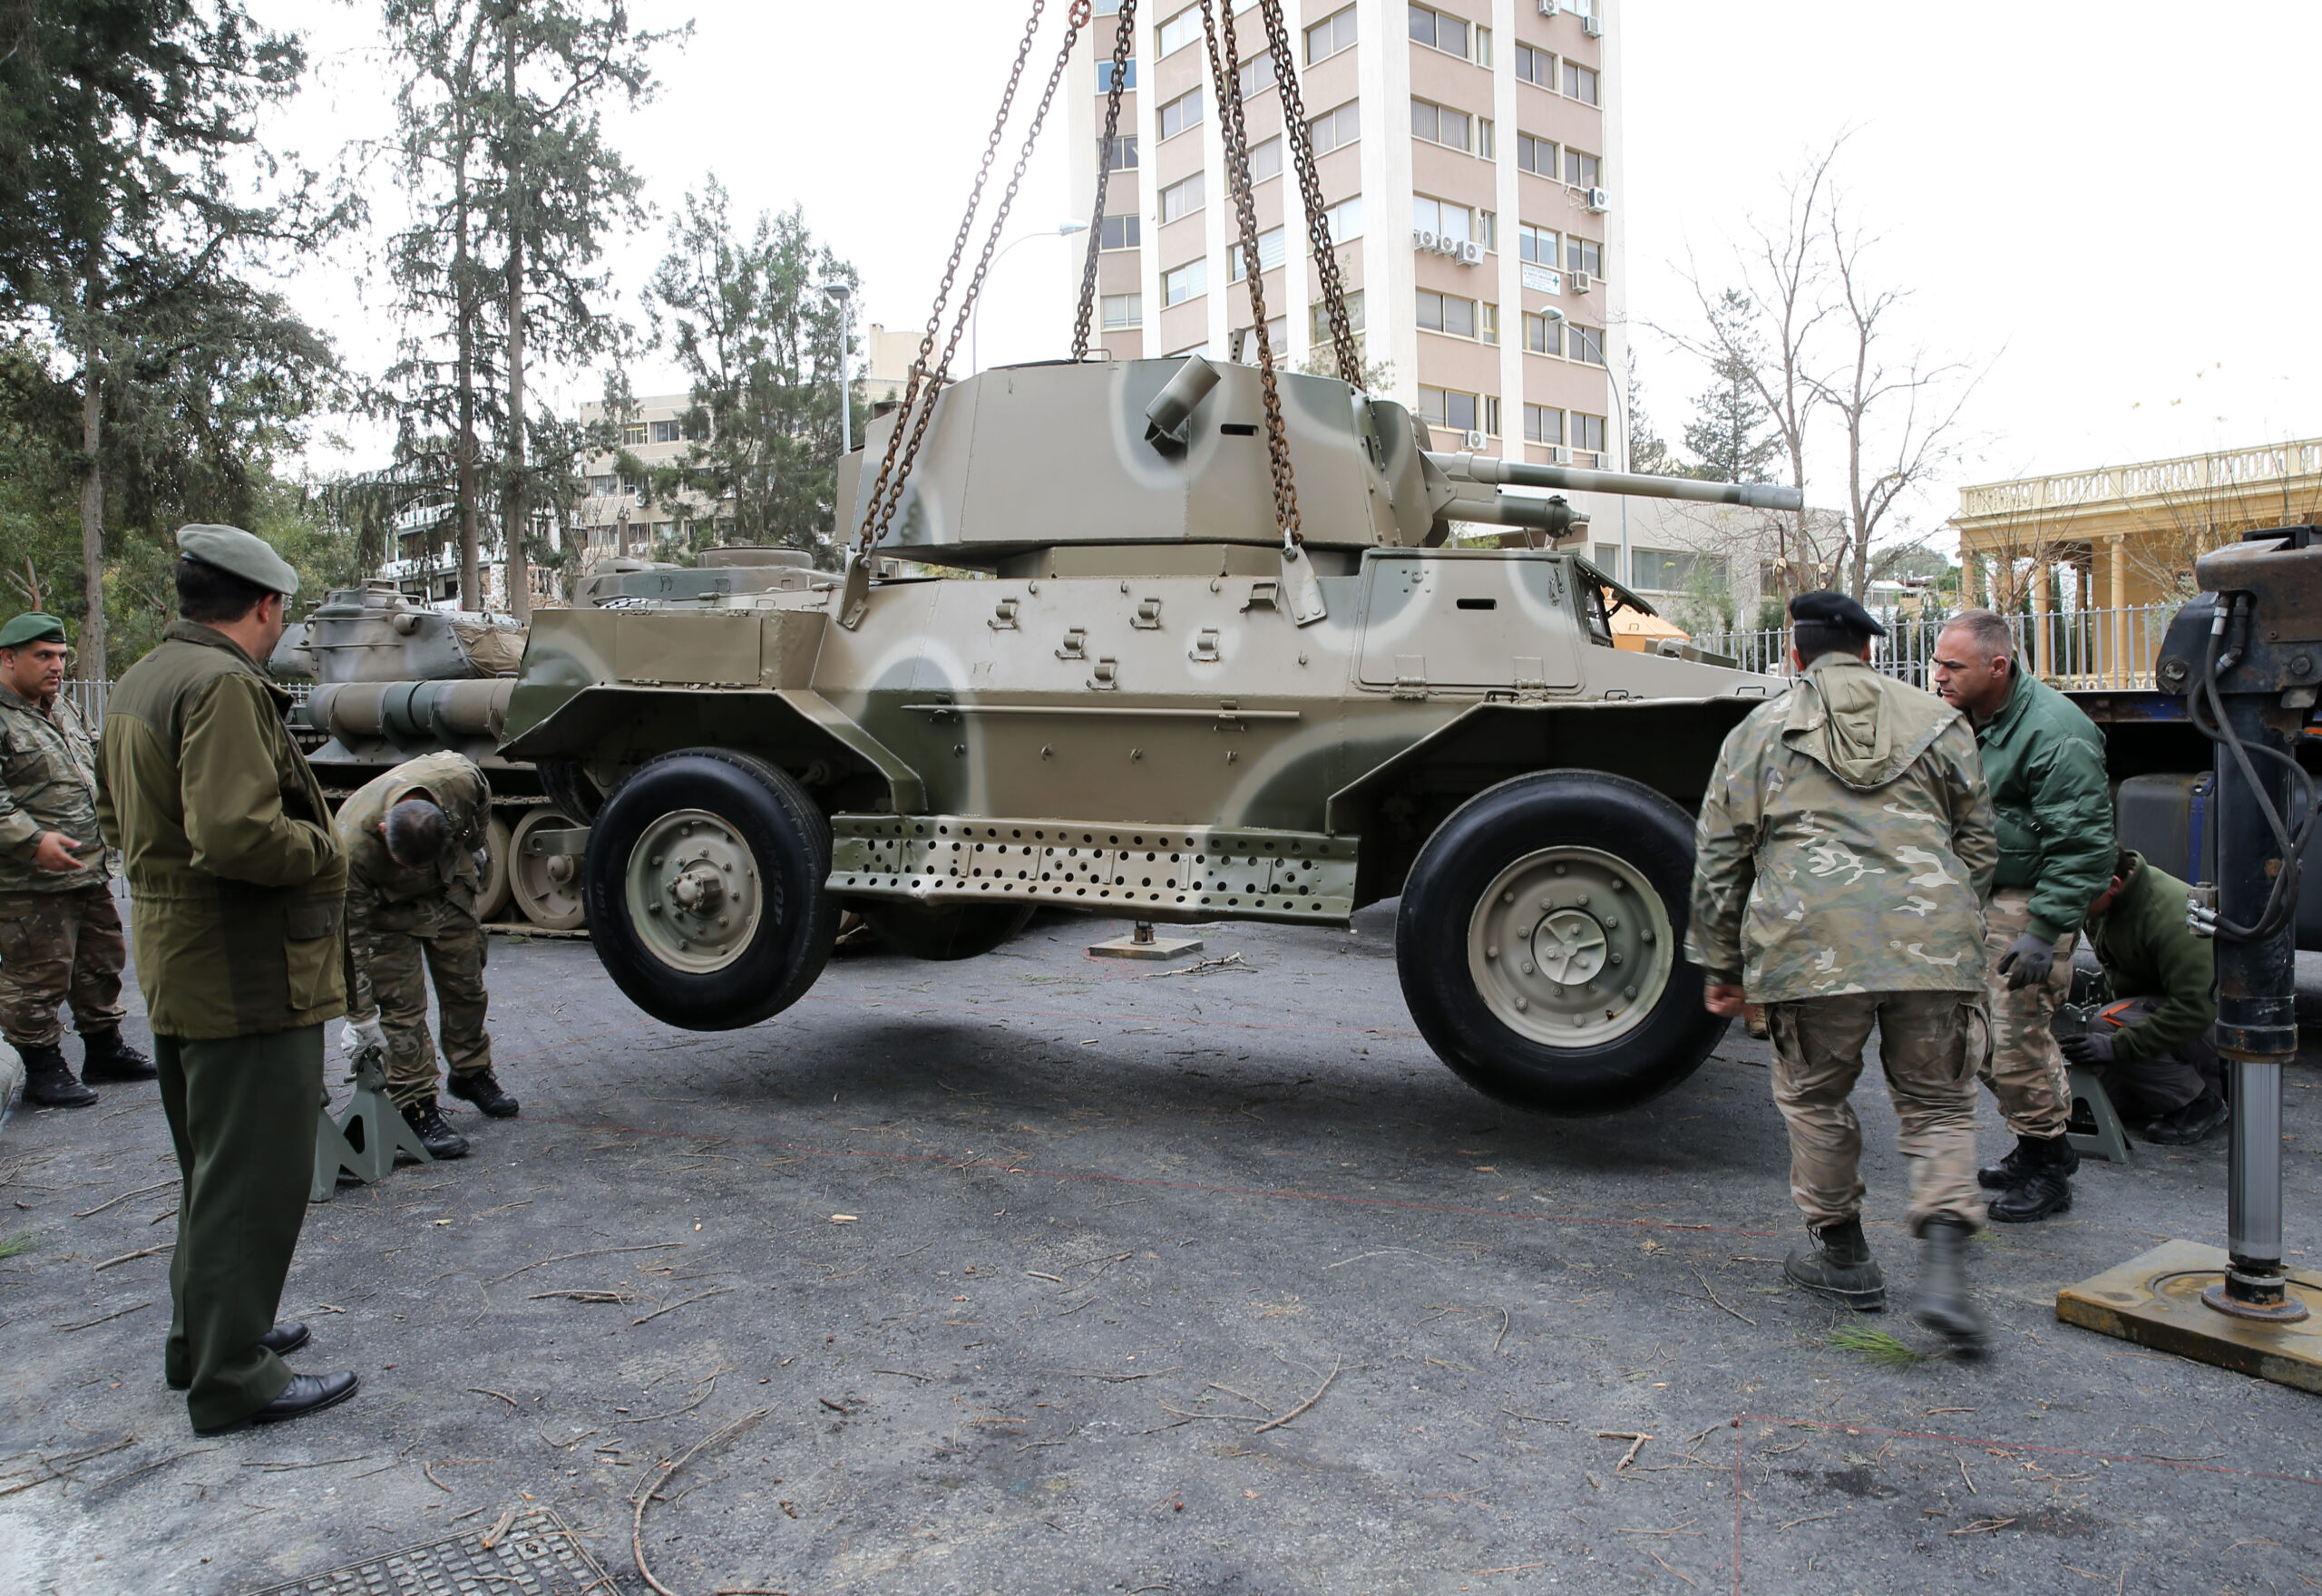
{"x": 1843, "y": 855}
{"x": 411, "y": 838}
{"x": 60, "y": 933}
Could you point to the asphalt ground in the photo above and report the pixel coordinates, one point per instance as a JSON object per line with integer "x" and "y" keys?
{"x": 1043, "y": 1272}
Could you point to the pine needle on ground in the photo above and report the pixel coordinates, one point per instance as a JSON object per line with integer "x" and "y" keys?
{"x": 1880, "y": 1346}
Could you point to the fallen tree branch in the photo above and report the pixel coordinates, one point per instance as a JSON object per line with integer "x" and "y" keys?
{"x": 1273, "y": 1424}
{"x": 669, "y": 1472}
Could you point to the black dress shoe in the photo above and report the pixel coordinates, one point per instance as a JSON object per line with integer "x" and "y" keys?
{"x": 481, "y": 1089}
{"x": 304, "y": 1395}
{"x": 105, "y": 1056}
{"x": 287, "y": 1337}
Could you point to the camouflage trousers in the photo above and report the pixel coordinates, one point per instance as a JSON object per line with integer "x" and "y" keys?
{"x": 388, "y": 944}
{"x": 59, "y": 948}
{"x": 2026, "y": 1072}
{"x": 1930, "y": 1044}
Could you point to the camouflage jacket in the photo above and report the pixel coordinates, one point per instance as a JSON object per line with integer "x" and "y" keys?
{"x": 1846, "y": 844}
{"x": 48, "y": 783}
{"x": 464, "y": 796}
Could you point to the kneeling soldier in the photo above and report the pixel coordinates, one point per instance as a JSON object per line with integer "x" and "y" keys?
{"x": 410, "y": 838}
{"x": 1844, "y": 850}
{"x": 60, "y": 933}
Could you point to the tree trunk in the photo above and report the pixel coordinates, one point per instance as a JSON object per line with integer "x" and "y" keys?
{"x": 515, "y": 564}
{"x": 463, "y": 300}
{"x": 92, "y": 663}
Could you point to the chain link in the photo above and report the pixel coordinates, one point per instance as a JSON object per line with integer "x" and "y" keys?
{"x": 1226, "y": 68}
{"x": 1123, "y": 42}
{"x": 1310, "y": 186}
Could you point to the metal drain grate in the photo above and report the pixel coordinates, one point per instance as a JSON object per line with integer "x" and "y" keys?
{"x": 536, "y": 1556}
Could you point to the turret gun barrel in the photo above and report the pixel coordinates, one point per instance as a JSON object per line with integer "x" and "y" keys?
{"x": 1486, "y": 468}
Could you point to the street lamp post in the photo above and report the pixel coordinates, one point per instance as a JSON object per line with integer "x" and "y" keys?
{"x": 975, "y": 322}
{"x": 1621, "y": 409}
{"x": 845, "y": 297}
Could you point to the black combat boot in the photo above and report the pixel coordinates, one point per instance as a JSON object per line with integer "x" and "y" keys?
{"x": 1941, "y": 1303}
{"x": 481, "y": 1089}
{"x": 2017, "y": 1165}
{"x": 2044, "y": 1188}
{"x": 2191, "y": 1124}
{"x": 105, "y": 1056}
{"x": 49, "y": 1082}
{"x": 427, "y": 1122}
{"x": 1840, "y": 1266}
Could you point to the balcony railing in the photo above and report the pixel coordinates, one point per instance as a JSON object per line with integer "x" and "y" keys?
{"x": 2187, "y": 475}
{"x": 2086, "y": 649}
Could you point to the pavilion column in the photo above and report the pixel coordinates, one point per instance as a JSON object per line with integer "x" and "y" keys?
{"x": 2124, "y": 642}
{"x": 2041, "y": 662}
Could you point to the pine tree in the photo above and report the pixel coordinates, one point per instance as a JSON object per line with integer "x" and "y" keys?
{"x": 1729, "y": 435}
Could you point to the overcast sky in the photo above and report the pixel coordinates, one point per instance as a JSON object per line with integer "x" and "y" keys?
{"x": 2100, "y": 210}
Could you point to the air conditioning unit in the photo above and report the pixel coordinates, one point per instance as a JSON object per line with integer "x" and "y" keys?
{"x": 1580, "y": 282}
{"x": 1549, "y": 8}
{"x": 1594, "y": 27}
{"x": 1559, "y": 455}
{"x": 1475, "y": 440}
{"x": 1600, "y": 200}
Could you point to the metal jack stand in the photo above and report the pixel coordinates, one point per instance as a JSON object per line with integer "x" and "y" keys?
{"x": 1141, "y": 943}
{"x": 364, "y": 1140}
{"x": 2247, "y": 657}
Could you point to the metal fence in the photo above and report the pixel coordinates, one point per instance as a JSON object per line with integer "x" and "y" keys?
{"x": 89, "y": 699}
{"x": 2077, "y": 649}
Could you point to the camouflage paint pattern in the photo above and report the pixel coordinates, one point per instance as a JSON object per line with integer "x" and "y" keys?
{"x": 389, "y": 943}
{"x": 58, "y": 948}
{"x": 48, "y": 783}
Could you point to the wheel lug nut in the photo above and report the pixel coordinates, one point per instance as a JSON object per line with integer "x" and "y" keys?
{"x": 1528, "y": 966}
{"x": 1583, "y": 901}
{"x": 1491, "y": 953}
{"x": 1507, "y": 896}
{"x": 1559, "y": 870}
{"x": 1648, "y": 935}
{"x": 1611, "y": 924}
{"x": 1617, "y": 959}
{"x": 1522, "y": 1005}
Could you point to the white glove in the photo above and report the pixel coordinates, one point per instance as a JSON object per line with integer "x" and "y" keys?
{"x": 359, "y": 1037}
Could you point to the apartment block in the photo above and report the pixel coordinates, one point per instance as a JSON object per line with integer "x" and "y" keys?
{"x": 1470, "y": 157}
{"x": 615, "y": 520}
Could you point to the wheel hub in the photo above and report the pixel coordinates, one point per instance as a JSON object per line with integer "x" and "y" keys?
{"x": 693, "y": 891}
{"x": 1570, "y": 947}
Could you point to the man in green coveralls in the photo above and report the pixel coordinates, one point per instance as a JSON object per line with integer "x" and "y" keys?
{"x": 60, "y": 934}
{"x": 238, "y": 890}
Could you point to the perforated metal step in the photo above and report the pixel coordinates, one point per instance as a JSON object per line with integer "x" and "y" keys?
{"x": 536, "y": 1555}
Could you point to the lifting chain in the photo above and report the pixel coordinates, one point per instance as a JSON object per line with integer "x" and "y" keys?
{"x": 1124, "y": 44}
{"x": 1226, "y": 66}
{"x": 1310, "y": 187}
{"x": 926, "y": 385}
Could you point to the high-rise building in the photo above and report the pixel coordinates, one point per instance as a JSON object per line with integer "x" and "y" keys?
{"x": 1470, "y": 157}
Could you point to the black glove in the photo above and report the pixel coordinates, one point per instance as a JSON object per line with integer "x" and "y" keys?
{"x": 2027, "y": 963}
{"x": 2092, "y": 1051}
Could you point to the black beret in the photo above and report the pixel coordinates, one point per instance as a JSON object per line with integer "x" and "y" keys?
{"x": 1835, "y": 609}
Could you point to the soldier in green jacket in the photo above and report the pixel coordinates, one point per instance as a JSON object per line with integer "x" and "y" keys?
{"x": 2045, "y": 760}
{"x": 238, "y": 890}
{"x": 411, "y": 837}
{"x": 1842, "y": 856}
{"x": 2150, "y": 1045}
{"x": 60, "y": 934}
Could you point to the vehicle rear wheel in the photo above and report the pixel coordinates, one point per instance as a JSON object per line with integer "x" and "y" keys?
{"x": 492, "y": 896}
{"x": 1539, "y": 944}
{"x": 704, "y": 890}
{"x": 946, "y": 930}
{"x": 547, "y": 890}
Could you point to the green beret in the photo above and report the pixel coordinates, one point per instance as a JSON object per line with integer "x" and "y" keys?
{"x": 31, "y": 627}
{"x": 230, "y": 549}
{"x": 1835, "y": 609}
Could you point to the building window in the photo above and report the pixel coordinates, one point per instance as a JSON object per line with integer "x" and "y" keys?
{"x": 1588, "y": 348}
{"x": 1445, "y": 221}
{"x": 1345, "y": 220}
{"x": 1536, "y": 155}
{"x": 1318, "y": 318}
{"x": 1589, "y": 432}
{"x": 1607, "y": 558}
{"x": 1179, "y": 31}
{"x": 1181, "y": 113}
{"x": 1543, "y": 334}
{"x": 1272, "y": 245}
{"x": 1491, "y": 414}
{"x": 664, "y": 432}
{"x": 633, "y": 432}
{"x": 603, "y": 487}
{"x": 1257, "y": 76}
{"x": 1543, "y": 424}
{"x": 1537, "y": 67}
{"x": 1119, "y": 232}
{"x": 1181, "y": 197}
{"x": 1327, "y": 37}
{"x": 1120, "y": 155}
{"x": 1440, "y": 124}
{"x": 1583, "y": 255}
{"x": 1123, "y": 310}
{"x": 1448, "y": 408}
{"x": 1244, "y": 341}
{"x": 1487, "y": 229}
{"x": 1189, "y": 282}
{"x": 1105, "y": 74}
{"x": 1446, "y": 313}
{"x": 1438, "y": 31}
{"x": 1335, "y": 128}
{"x": 1536, "y": 245}
{"x": 1265, "y": 159}
{"x": 1672, "y": 571}
{"x": 1487, "y": 142}
{"x": 1582, "y": 171}
{"x": 1488, "y": 329}
{"x": 1580, "y": 83}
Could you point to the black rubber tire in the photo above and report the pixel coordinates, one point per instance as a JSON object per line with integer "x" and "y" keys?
{"x": 790, "y": 839}
{"x": 567, "y": 786}
{"x": 1549, "y": 809}
{"x": 946, "y": 931}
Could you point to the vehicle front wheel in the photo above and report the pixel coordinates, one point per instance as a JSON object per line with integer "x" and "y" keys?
{"x": 704, "y": 881}
{"x": 1539, "y": 944}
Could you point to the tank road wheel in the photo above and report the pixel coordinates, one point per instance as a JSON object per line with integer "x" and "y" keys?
{"x": 492, "y": 894}
{"x": 704, "y": 890}
{"x": 949, "y": 930}
{"x": 547, "y": 890}
{"x": 1540, "y": 940}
